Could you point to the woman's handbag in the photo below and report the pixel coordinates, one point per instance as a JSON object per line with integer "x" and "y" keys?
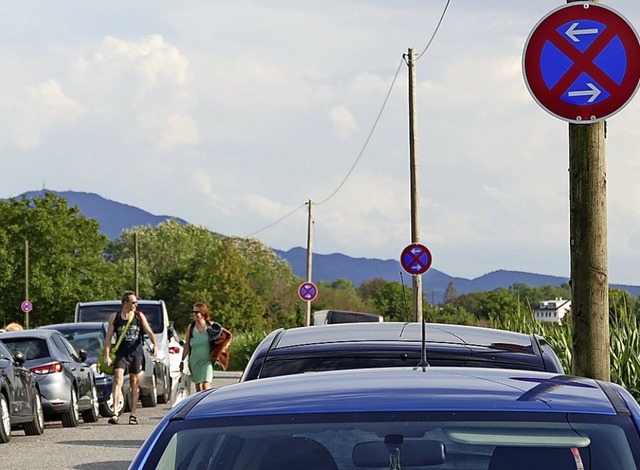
{"x": 101, "y": 363}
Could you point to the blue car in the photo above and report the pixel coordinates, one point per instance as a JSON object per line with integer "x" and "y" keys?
{"x": 401, "y": 418}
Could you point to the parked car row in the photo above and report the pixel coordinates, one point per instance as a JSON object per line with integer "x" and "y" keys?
{"x": 50, "y": 373}
{"x": 373, "y": 395}
{"x": 65, "y": 383}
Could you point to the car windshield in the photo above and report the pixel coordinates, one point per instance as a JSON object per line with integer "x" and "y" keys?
{"x": 32, "y": 348}
{"x": 100, "y": 313}
{"x": 399, "y": 440}
{"x": 92, "y": 341}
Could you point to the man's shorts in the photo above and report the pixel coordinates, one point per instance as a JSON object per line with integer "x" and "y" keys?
{"x": 130, "y": 364}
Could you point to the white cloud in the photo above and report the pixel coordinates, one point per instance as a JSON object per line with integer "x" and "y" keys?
{"x": 344, "y": 122}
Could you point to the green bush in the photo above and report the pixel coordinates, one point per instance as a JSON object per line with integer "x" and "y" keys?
{"x": 242, "y": 347}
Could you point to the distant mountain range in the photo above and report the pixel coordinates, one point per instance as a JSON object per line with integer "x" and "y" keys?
{"x": 114, "y": 217}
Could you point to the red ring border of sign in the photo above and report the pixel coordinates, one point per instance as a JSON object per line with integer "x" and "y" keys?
{"x": 425, "y": 251}
{"x": 26, "y": 306}
{"x": 309, "y": 285}
{"x": 532, "y": 70}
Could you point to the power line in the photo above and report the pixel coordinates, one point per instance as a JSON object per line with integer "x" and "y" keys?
{"x": 366, "y": 143}
{"x": 435, "y": 31}
{"x": 277, "y": 221}
{"x": 375, "y": 124}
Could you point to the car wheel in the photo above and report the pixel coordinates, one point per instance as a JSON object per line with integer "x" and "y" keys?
{"x": 165, "y": 396}
{"x": 71, "y": 417}
{"x": 5, "y": 420}
{"x": 107, "y": 409}
{"x": 93, "y": 413}
{"x": 151, "y": 400}
{"x": 36, "y": 427}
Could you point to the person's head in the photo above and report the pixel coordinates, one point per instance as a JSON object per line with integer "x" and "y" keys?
{"x": 13, "y": 326}
{"x": 129, "y": 299}
{"x": 200, "y": 309}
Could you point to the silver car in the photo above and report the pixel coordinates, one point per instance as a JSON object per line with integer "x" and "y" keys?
{"x": 90, "y": 337}
{"x": 67, "y": 384}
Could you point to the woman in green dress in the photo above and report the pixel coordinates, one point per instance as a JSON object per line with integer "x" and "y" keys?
{"x": 197, "y": 348}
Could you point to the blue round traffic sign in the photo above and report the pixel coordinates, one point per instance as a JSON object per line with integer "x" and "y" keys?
{"x": 308, "y": 291}
{"x": 581, "y": 62}
{"x": 26, "y": 306}
{"x": 416, "y": 259}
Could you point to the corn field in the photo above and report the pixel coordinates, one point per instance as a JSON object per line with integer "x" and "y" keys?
{"x": 624, "y": 342}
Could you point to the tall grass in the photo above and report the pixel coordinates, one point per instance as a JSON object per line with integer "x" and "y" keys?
{"x": 624, "y": 341}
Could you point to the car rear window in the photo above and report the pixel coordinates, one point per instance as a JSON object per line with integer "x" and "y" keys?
{"x": 101, "y": 313}
{"x": 32, "y": 348}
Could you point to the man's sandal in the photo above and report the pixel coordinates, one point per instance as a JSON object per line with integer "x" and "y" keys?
{"x": 133, "y": 419}
{"x": 113, "y": 419}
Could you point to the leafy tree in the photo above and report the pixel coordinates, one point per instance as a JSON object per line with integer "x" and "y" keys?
{"x": 66, "y": 259}
{"x": 339, "y": 295}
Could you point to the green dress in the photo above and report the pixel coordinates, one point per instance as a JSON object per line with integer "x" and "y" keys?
{"x": 199, "y": 363}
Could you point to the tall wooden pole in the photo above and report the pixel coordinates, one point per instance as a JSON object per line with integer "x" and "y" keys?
{"x": 307, "y": 317}
{"x": 26, "y": 280}
{"x": 588, "y": 244}
{"x": 135, "y": 263}
{"x": 413, "y": 167}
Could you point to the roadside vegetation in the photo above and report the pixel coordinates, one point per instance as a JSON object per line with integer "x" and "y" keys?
{"x": 250, "y": 290}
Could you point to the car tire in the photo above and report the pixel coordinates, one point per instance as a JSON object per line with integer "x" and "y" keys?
{"x": 36, "y": 427}
{"x": 151, "y": 400}
{"x": 165, "y": 396}
{"x": 93, "y": 413}
{"x": 5, "y": 420}
{"x": 108, "y": 410}
{"x": 71, "y": 417}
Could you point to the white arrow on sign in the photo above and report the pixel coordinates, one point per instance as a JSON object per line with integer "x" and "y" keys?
{"x": 573, "y": 33}
{"x": 594, "y": 93}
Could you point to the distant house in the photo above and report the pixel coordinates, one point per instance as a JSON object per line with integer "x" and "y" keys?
{"x": 552, "y": 310}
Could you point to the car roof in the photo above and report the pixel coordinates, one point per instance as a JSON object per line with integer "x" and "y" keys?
{"x": 74, "y": 326}
{"x": 117, "y": 302}
{"x": 36, "y": 333}
{"x": 405, "y": 389}
{"x": 403, "y": 332}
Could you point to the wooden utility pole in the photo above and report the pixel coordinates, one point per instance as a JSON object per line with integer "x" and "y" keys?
{"x": 588, "y": 244}
{"x": 307, "y": 316}
{"x": 26, "y": 280}
{"x": 413, "y": 167}
{"x": 135, "y": 263}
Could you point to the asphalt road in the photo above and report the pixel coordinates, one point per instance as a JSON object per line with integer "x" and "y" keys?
{"x": 95, "y": 446}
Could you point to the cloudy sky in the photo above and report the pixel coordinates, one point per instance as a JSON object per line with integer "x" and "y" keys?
{"x": 232, "y": 114}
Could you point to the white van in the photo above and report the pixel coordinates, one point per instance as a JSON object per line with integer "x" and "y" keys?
{"x": 158, "y": 318}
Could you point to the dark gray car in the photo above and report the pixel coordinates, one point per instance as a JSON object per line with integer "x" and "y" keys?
{"x": 395, "y": 344}
{"x": 66, "y": 382}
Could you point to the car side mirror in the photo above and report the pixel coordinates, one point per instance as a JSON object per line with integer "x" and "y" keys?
{"x": 82, "y": 354}
{"x": 20, "y": 358}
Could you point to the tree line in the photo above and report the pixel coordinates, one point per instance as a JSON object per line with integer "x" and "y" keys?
{"x": 248, "y": 287}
